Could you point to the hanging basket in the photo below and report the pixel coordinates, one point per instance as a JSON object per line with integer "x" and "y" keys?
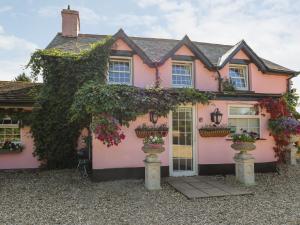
{"x": 222, "y": 132}
{"x": 147, "y": 133}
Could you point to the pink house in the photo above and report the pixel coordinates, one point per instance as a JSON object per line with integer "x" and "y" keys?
{"x": 140, "y": 61}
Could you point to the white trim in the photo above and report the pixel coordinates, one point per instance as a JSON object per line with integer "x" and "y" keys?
{"x": 189, "y": 63}
{"x": 239, "y": 66}
{"x": 194, "y": 146}
{"x": 121, "y": 59}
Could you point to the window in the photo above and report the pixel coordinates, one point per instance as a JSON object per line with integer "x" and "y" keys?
{"x": 239, "y": 77}
{"x": 120, "y": 71}
{"x": 9, "y": 131}
{"x": 182, "y": 75}
{"x": 244, "y": 117}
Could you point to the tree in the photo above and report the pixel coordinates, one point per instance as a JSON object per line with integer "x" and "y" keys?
{"x": 23, "y": 77}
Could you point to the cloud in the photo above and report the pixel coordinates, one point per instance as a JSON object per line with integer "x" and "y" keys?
{"x": 87, "y": 15}
{"x": 14, "y": 54}
{"x": 131, "y": 20}
{"x": 5, "y": 8}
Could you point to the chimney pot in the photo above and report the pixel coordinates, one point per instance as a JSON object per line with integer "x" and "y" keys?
{"x": 70, "y": 22}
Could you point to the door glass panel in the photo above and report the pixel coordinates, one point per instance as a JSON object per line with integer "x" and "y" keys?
{"x": 182, "y": 140}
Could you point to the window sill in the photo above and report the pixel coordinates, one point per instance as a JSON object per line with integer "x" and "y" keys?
{"x": 258, "y": 139}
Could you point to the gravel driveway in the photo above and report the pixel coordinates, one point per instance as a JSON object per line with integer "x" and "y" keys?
{"x": 62, "y": 197}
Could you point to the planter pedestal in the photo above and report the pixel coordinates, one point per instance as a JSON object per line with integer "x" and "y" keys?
{"x": 244, "y": 168}
{"x": 152, "y": 168}
{"x": 244, "y": 162}
{"x": 291, "y": 154}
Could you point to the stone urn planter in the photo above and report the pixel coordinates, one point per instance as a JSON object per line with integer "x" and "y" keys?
{"x": 243, "y": 147}
{"x": 152, "y": 165}
{"x": 244, "y": 162}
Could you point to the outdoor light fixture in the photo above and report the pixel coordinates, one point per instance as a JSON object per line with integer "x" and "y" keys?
{"x": 216, "y": 116}
{"x": 153, "y": 117}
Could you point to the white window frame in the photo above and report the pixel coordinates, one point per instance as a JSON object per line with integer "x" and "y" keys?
{"x": 258, "y": 116}
{"x": 246, "y": 75}
{"x": 12, "y": 125}
{"x": 121, "y": 59}
{"x": 189, "y": 63}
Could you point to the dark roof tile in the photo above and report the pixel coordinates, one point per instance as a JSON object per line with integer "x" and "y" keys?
{"x": 154, "y": 48}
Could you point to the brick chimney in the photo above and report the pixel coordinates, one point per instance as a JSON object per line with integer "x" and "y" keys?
{"x": 70, "y": 22}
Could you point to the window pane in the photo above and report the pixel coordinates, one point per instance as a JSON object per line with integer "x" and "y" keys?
{"x": 238, "y": 77}
{"x": 182, "y": 75}
{"x": 248, "y": 124}
{"x": 119, "y": 72}
{"x": 242, "y": 110}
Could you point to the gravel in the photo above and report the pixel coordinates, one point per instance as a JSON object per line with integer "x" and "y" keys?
{"x": 62, "y": 197}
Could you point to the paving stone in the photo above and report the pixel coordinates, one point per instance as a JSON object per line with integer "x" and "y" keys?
{"x": 203, "y": 187}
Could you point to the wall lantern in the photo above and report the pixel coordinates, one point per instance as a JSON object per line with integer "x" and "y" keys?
{"x": 216, "y": 116}
{"x": 153, "y": 117}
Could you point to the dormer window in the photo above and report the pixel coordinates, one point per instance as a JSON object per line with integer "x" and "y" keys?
{"x": 238, "y": 75}
{"x": 120, "y": 71}
{"x": 182, "y": 74}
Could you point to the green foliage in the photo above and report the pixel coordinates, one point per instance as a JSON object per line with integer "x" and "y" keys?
{"x": 244, "y": 137}
{"x": 63, "y": 73}
{"x": 125, "y": 103}
{"x": 23, "y": 77}
{"x": 21, "y": 115}
{"x": 227, "y": 86}
{"x": 292, "y": 99}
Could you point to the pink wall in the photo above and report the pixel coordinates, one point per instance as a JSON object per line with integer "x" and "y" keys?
{"x": 218, "y": 150}
{"x": 260, "y": 82}
{"x": 23, "y": 160}
{"x": 127, "y": 154}
{"x": 209, "y": 150}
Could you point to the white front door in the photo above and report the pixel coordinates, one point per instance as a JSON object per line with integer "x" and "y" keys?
{"x": 182, "y": 142}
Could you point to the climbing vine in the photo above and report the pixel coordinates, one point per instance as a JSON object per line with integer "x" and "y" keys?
{"x": 75, "y": 95}
{"x": 125, "y": 103}
{"x": 281, "y": 124}
{"x": 63, "y": 73}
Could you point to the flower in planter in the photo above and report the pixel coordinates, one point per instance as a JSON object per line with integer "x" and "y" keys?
{"x": 156, "y": 140}
{"x": 245, "y": 136}
{"x": 284, "y": 127}
{"x": 12, "y": 146}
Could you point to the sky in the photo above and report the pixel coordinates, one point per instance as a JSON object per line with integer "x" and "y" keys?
{"x": 270, "y": 27}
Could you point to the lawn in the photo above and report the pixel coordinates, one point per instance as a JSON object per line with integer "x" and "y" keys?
{"x": 62, "y": 197}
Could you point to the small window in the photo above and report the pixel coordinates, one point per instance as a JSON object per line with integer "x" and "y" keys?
{"x": 239, "y": 77}
{"x": 244, "y": 118}
{"x": 120, "y": 71}
{"x": 9, "y": 131}
{"x": 182, "y": 75}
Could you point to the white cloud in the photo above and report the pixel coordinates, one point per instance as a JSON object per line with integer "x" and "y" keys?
{"x": 87, "y": 15}
{"x": 5, "y": 8}
{"x": 14, "y": 54}
{"x": 130, "y": 20}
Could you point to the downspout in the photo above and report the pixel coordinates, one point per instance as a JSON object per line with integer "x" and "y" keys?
{"x": 219, "y": 80}
{"x": 157, "y": 78}
{"x": 288, "y": 88}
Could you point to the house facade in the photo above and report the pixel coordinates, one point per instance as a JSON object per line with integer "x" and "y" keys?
{"x": 176, "y": 63}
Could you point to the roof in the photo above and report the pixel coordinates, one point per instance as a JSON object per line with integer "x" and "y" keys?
{"x": 156, "y": 50}
{"x": 16, "y": 92}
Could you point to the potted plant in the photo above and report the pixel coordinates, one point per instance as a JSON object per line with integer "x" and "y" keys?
{"x": 214, "y": 131}
{"x": 144, "y": 130}
{"x": 285, "y": 128}
{"x": 244, "y": 141}
{"x": 153, "y": 144}
{"x": 10, "y": 146}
